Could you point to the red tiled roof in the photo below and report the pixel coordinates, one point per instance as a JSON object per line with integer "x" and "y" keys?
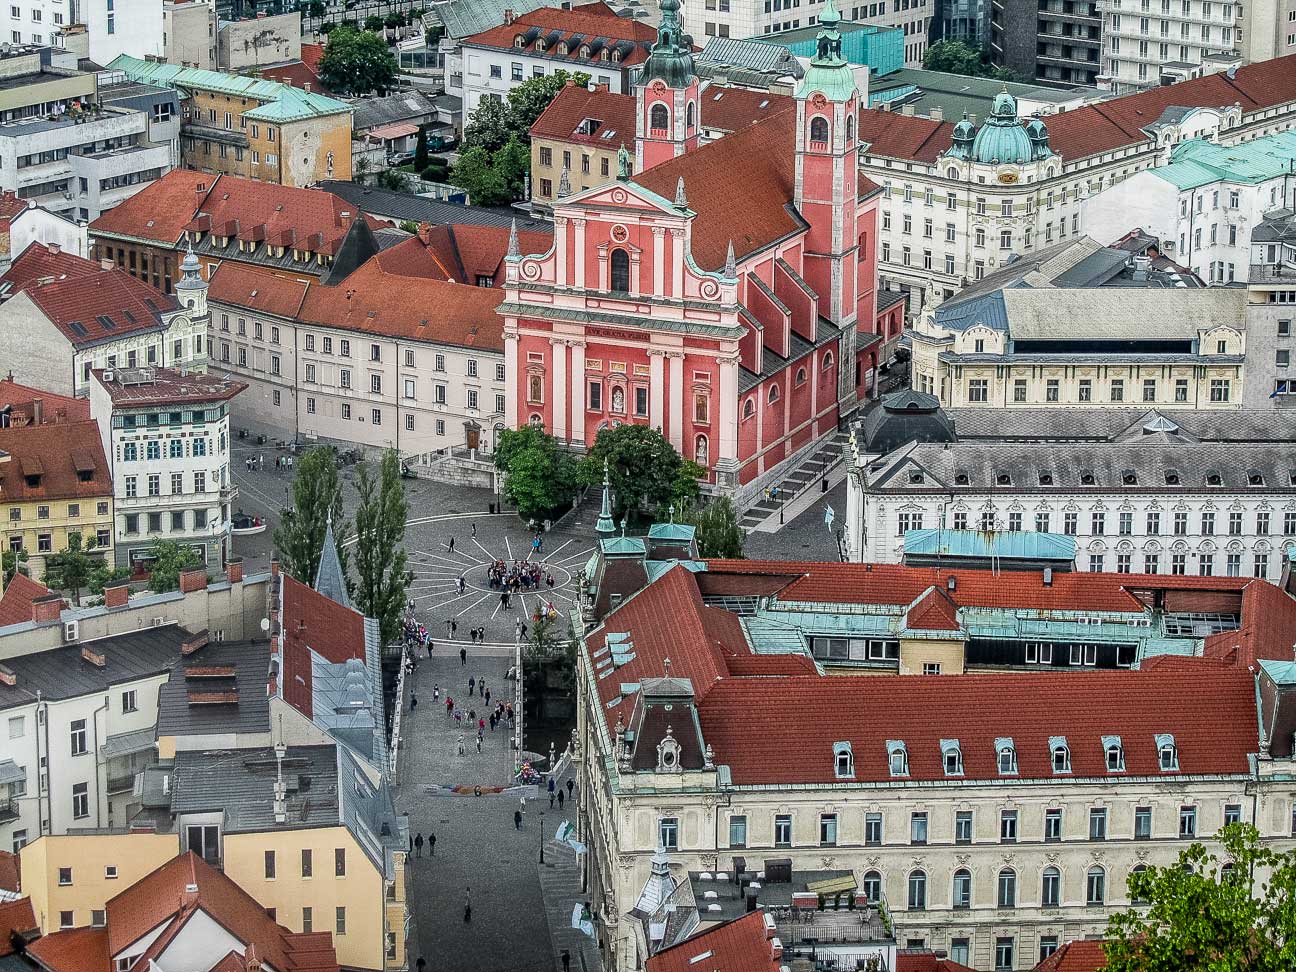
{"x": 1102, "y": 127}
{"x": 56, "y": 450}
{"x": 583, "y": 24}
{"x": 729, "y": 109}
{"x": 11, "y": 864}
{"x": 74, "y": 950}
{"x": 924, "y": 961}
{"x": 461, "y": 253}
{"x": 1267, "y": 632}
{"x": 75, "y": 304}
{"x": 1082, "y": 955}
{"x": 934, "y": 611}
{"x": 41, "y": 260}
{"x": 267, "y": 291}
{"x": 161, "y": 898}
{"x": 311, "y": 55}
{"x": 300, "y": 74}
{"x": 168, "y": 387}
{"x": 1212, "y": 719}
{"x": 15, "y": 608}
{"x": 15, "y": 917}
{"x": 574, "y": 104}
{"x": 312, "y": 621}
{"x": 10, "y": 204}
{"x": 309, "y": 219}
{"x": 54, "y": 406}
{"x": 764, "y": 154}
{"x": 740, "y": 945}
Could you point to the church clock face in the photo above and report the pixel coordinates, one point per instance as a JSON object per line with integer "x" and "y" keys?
{"x": 819, "y": 100}
{"x": 658, "y": 85}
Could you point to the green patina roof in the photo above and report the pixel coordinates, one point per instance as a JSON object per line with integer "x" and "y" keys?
{"x": 671, "y": 59}
{"x": 623, "y": 547}
{"x": 1198, "y": 162}
{"x": 672, "y": 531}
{"x": 283, "y": 102}
{"x": 1013, "y": 544}
{"x": 1279, "y": 672}
{"x": 829, "y": 72}
{"x": 657, "y": 568}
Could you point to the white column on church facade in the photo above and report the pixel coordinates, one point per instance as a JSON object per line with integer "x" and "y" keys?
{"x": 560, "y": 262}
{"x": 729, "y": 408}
{"x": 579, "y": 250}
{"x": 577, "y": 432}
{"x": 517, "y": 380}
{"x": 656, "y": 387}
{"x": 659, "y": 259}
{"x": 677, "y": 264}
{"x": 558, "y": 384}
{"x": 676, "y": 393}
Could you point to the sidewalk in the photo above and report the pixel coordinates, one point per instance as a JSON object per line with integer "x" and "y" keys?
{"x": 560, "y": 881}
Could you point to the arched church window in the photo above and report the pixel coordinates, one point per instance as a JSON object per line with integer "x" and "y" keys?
{"x": 620, "y": 271}
{"x": 818, "y": 129}
{"x": 850, "y": 129}
{"x": 659, "y": 117}
{"x": 692, "y": 115}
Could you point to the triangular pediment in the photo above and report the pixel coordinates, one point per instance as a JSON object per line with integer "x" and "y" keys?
{"x": 622, "y": 194}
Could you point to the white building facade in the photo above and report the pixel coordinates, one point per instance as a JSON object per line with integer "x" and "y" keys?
{"x": 1160, "y": 504}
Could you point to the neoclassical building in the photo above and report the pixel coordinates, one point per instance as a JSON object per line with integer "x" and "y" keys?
{"x": 962, "y": 198}
{"x": 737, "y": 317}
{"x": 994, "y": 811}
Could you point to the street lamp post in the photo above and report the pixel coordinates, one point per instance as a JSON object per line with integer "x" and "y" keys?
{"x": 542, "y": 833}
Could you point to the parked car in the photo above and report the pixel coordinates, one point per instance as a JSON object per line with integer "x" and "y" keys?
{"x": 400, "y": 158}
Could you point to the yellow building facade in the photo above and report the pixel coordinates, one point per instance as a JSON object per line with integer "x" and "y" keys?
{"x": 70, "y": 878}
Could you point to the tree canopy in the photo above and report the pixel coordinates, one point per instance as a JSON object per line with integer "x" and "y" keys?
{"x": 646, "y": 471}
{"x": 960, "y": 57}
{"x": 170, "y": 558}
{"x": 718, "y": 532}
{"x": 540, "y": 476}
{"x": 316, "y": 495}
{"x": 357, "y": 62}
{"x": 1210, "y": 911}
{"x": 380, "y": 554}
{"x": 72, "y": 569}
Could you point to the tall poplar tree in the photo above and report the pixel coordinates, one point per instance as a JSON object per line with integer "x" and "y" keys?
{"x": 316, "y": 494}
{"x": 380, "y": 556}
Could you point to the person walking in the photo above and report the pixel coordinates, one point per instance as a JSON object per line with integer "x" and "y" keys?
{"x": 431, "y": 842}
{"x": 571, "y": 785}
{"x": 454, "y": 628}
{"x": 566, "y": 960}
{"x": 467, "y": 905}
{"x": 517, "y": 819}
{"x": 552, "y": 786}
{"x": 560, "y": 799}
{"x": 436, "y": 692}
{"x": 463, "y": 654}
{"x": 450, "y": 549}
{"x": 472, "y": 684}
{"x": 462, "y": 584}
{"x": 551, "y": 799}
{"x": 418, "y": 845}
{"x": 473, "y": 527}
{"x": 488, "y": 696}
{"x": 479, "y": 741}
{"x": 413, "y": 702}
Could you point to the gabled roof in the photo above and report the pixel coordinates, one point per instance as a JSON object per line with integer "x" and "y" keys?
{"x": 933, "y": 611}
{"x": 574, "y": 105}
{"x": 459, "y": 253}
{"x": 73, "y": 950}
{"x": 58, "y": 453}
{"x": 300, "y": 74}
{"x": 54, "y": 407}
{"x": 314, "y": 623}
{"x": 280, "y": 102}
{"x": 741, "y": 945}
{"x": 595, "y": 25}
{"x": 42, "y": 260}
{"x": 18, "y": 597}
{"x": 1082, "y": 955}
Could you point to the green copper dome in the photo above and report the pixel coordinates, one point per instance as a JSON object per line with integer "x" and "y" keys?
{"x": 829, "y": 72}
{"x": 671, "y": 58}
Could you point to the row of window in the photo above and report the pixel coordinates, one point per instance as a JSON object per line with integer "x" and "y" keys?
{"x": 45, "y": 541}
{"x": 222, "y": 151}
{"x": 153, "y": 483}
{"x": 153, "y": 522}
{"x": 964, "y": 827}
{"x": 1152, "y": 522}
{"x": 175, "y": 449}
{"x": 307, "y": 858}
{"x": 1221, "y": 389}
{"x": 132, "y": 356}
{"x": 43, "y": 511}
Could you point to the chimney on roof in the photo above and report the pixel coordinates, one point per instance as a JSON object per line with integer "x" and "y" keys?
{"x": 344, "y": 215}
{"x": 8, "y": 676}
{"x": 47, "y": 609}
{"x": 937, "y": 114}
{"x": 306, "y": 86}
{"x": 907, "y": 110}
{"x": 1048, "y": 576}
{"x": 95, "y": 658}
{"x": 274, "y": 566}
{"x": 54, "y": 248}
{"x": 38, "y": 411}
{"x": 193, "y": 580}
{"x": 425, "y": 233}
{"x": 602, "y": 87}
{"x": 234, "y": 570}
{"x": 116, "y": 595}
{"x": 190, "y": 645}
{"x": 509, "y": 16}
{"x": 972, "y": 119}
{"x": 106, "y": 264}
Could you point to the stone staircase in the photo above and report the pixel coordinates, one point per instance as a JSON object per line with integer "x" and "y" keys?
{"x": 560, "y": 883}
{"x": 806, "y": 474}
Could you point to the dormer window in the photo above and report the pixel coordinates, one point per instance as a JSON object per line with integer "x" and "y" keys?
{"x": 1003, "y": 479}
{"x": 1172, "y": 477}
{"x": 519, "y": 42}
{"x": 1060, "y": 753}
{"x": 1255, "y": 478}
{"x": 1086, "y": 477}
{"x": 843, "y": 761}
{"x": 1115, "y": 753}
{"x": 897, "y": 757}
{"x": 616, "y": 56}
{"x": 1129, "y": 478}
{"x": 562, "y": 48}
{"x": 584, "y": 51}
{"x": 1213, "y": 478}
{"x": 539, "y": 46}
{"x": 1046, "y": 479}
{"x": 1007, "y": 756}
{"x": 603, "y": 54}
{"x": 1167, "y": 753}
{"x": 961, "y": 479}
{"x": 952, "y": 757}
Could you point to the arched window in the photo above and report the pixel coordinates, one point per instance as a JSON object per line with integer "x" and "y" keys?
{"x": 843, "y": 758}
{"x": 773, "y": 394}
{"x": 962, "y": 888}
{"x": 1136, "y": 892}
{"x": 818, "y": 129}
{"x": 749, "y": 408}
{"x": 918, "y": 891}
{"x": 1007, "y": 888}
{"x": 1007, "y": 760}
{"x": 620, "y": 271}
{"x": 1228, "y": 873}
{"x": 1096, "y": 886}
{"x": 659, "y": 117}
{"x": 537, "y": 421}
{"x": 1061, "y": 759}
{"x": 872, "y": 886}
{"x": 1051, "y": 888}
{"x": 584, "y": 51}
{"x": 691, "y": 117}
{"x": 701, "y": 451}
{"x": 800, "y": 376}
{"x": 850, "y": 129}
{"x": 519, "y": 41}
{"x": 827, "y": 360}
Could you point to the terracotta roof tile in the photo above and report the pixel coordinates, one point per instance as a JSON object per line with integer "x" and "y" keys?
{"x": 461, "y": 253}
{"x": 16, "y": 917}
{"x": 11, "y": 864}
{"x": 908, "y": 960}
{"x": 729, "y": 109}
{"x": 58, "y": 449}
{"x": 266, "y": 291}
{"x": 55, "y": 407}
{"x": 10, "y": 204}
{"x": 15, "y": 608}
{"x": 1082, "y": 955}
{"x": 313, "y": 621}
{"x": 93, "y": 304}
{"x": 574, "y": 104}
{"x": 903, "y": 136}
{"x": 74, "y": 950}
{"x": 160, "y": 211}
{"x": 588, "y": 23}
{"x": 42, "y": 260}
{"x": 740, "y": 945}
{"x": 934, "y": 611}
{"x": 168, "y": 387}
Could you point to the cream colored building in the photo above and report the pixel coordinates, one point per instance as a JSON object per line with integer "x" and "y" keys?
{"x": 994, "y": 834}
{"x": 70, "y": 878}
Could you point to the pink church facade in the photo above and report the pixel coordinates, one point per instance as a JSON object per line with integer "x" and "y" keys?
{"x": 725, "y": 294}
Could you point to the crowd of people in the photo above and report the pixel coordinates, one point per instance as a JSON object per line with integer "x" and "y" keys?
{"x": 521, "y": 575}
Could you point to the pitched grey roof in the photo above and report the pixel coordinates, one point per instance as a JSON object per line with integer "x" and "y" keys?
{"x": 1110, "y": 424}
{"x": 1086, "y": 467}
{"x": 329, "y": 578}
{"x": 241, "y": 783}
{"x": 61, "y": 673}
{"x": 463, "y": 18}
{"x": 753, "y": 54}
{"x": 403, "y": 205}
{"x": 250, "y": 664}
{"x": 409, "y": 106}
{"x": 1114, "y": 314}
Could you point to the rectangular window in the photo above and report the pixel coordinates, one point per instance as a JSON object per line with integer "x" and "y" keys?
{"x": 270, "y": 865}
{"x": 307, "y": 862}
{"x": 1053, "y": 824}
{"x": 78, "y": 732}
{"x": 918, "y": 828}
{"x": 738, "y": 831}
{"x": 783, "y": 830}
{"x": 963, "y": 827}
{"x": 828, "y": 830}
{"x": 1188, "y": 821}
{"x": 1097, "y": 823}
{"x": 1004, "y": 951}
{"x": 1008, "y": 826}
{"x": 872, "y": 829}
{"x": 80, "y": 800}
{"x": 308, "y": 921}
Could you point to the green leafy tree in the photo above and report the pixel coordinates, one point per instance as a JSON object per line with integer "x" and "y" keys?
{"x": 718, "y": 532}
{"x": 357, "y": 62}
{"x": 1210, "y": 912}
{"x": 409, "y": 226}
{"x": 529, "y": 99}
{"x": 394, "y": 20}
{"x": 421, "y": 150}
{"x": 362, "y": 169}
{"x": 512, "y": 163}
{"x": 71, "y": 570}
{"x": 548, "y": 639}
{"x": 960, "y": 57}
{"x": 476, "y": 173}
{"x": 373, "y": 23}
{"x": 393, "y": 179}
{"x": 380, "y": 557}
{"x": 170, "y": 558}
{"x": 103, "y": 575}
{"x": 646, "y": 471}
{"x": 14, "y": 562}
{"x": 489, "y": 127}
{"x": 317, "y": 495}
{"x": 540, "y": 477}
{"x": 317, "y": 9}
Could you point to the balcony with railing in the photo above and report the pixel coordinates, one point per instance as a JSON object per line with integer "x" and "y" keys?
{"x": 9, "y": 810}
{"x": 1273, "y": 273}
